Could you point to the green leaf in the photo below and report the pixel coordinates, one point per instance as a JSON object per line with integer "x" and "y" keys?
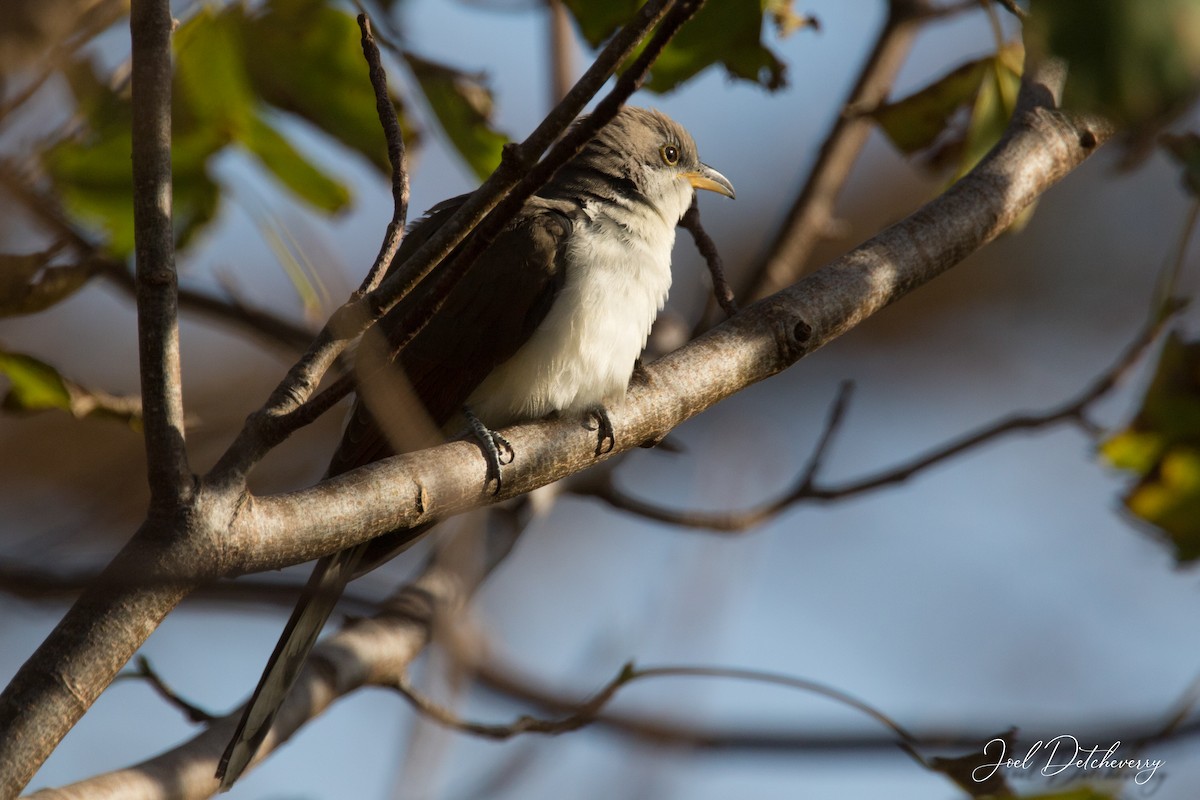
{"x": 1137, "y": 63}
{"x": 728, "y": 32}
{"x": 292, "y": 169}
{"x": 914, "y": 123}
{"x": 463, "y": 106}
{"x": 306, "y": 59}
{"x": 986, "y": 88}
{"x": 212, "y": 86}
{"x": 598, "y": 21}
{"x": 993, "y": 108}
{"x": 1162, "y": 448}
{"x": 33, "y": 385}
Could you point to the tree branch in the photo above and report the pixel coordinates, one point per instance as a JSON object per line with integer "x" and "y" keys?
{"x": 1041, "y": 147}
{"x": 807, "y": 489}
{"x": 397, "y": 157}
{"x": 375, "y": 651}
{"x": 157, "y": 283}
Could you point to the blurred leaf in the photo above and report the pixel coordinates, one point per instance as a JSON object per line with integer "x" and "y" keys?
{"x": 306, "y": 59}
{"x": 33, "y": 385}
{"x": 217, "y": 101}
{"x": 212, "y": 86}
{"x": 728, "y": 32}
{"x": 463, "y": 106}
{"x": 1137, "y": 63}
{"x": 36, "y": 386}
{"x": 723, "y": 31}
{"x": 292, "y": 169}
{"x": 1162, "y": 447}
{"x": 985, "y": 88}
{"x": 28, "y": 283}
{"x": 223, "y": 60}
{"x": 915, "y": 122}
{"x": 1185, "y": 149}
{"x": 975, "y": 772}
{"x": 786, "y": 20}
{"x": 598, "y": 21}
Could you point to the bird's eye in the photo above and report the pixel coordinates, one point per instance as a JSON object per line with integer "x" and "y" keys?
{"x": 670, "y": 154}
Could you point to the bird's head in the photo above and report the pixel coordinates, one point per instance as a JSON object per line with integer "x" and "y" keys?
{"x": 657, "y": 156}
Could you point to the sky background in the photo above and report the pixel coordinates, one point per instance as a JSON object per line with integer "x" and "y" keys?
{"x": 1001, "y": 588}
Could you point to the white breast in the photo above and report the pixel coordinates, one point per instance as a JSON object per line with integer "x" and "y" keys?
{"x": 583, "y": 352}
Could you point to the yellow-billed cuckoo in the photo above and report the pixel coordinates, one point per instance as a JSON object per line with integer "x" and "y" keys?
{"x": 552, "y": 318}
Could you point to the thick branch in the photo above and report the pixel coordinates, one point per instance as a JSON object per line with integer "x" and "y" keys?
{"x": 1041, "y": 147}
{"x": 157, "y": 289}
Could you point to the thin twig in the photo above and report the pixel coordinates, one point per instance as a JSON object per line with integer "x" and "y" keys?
{"x": 806, "y": 488}
{"x": 144, "y": 671}
{"x": 722, "y": 291}
{"x": 589, "y": 711}
{"x": 833, "y": 424}
{"x": 397, "y": 157}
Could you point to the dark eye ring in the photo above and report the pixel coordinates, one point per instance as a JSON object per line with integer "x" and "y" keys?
{"x": 670, "y": 154}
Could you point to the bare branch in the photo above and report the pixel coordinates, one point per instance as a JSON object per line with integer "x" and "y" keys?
{"x": 807, "y": 489}
{"x": 147, "y": 673}
{"x": 397, "y": 157}
{"x": 588, "y": 712}
{"x": 708, "y": 249}
{"x": 375, "y": 651}
{"x": 157, "y": 283}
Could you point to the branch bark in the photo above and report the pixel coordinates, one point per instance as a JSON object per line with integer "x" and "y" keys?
{"x": 154, "y": 244}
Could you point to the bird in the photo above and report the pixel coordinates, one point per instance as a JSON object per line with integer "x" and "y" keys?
{"x": 551, "y": 319}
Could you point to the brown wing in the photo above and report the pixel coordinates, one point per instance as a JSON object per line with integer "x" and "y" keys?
{"x": 488, "y": 315}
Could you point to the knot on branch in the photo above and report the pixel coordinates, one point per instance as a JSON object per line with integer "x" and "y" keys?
{"x": 792, "y": 338}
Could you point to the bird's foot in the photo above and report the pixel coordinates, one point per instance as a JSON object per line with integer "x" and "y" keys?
{"x": 496, "y": 449}
{"x": 606, "y": 439}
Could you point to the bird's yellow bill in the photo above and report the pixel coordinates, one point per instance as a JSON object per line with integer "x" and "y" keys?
{"x": 708, "y": 178}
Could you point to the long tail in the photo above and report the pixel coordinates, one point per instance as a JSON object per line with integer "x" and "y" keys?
{"x": 320, "y": 596}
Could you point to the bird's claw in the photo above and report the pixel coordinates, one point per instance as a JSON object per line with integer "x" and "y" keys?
{"x": 604, "y": 429}
{"x": 497, "y": 451}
